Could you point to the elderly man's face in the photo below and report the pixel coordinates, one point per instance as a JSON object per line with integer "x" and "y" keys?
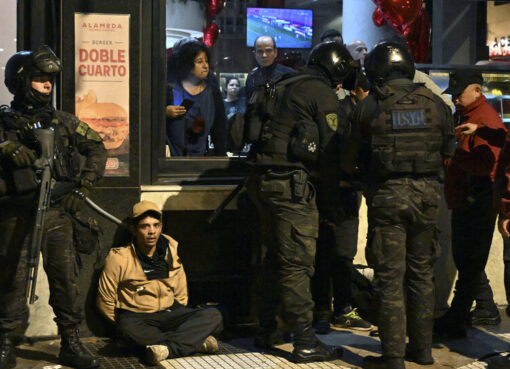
{"x": 358, "y": 51}
{"x": 265, "y": 51}
{"x": 468, "y": 96}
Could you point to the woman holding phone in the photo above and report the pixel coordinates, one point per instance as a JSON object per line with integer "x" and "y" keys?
{"x": 196, "y": 124}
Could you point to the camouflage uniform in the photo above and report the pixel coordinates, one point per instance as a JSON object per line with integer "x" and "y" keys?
{"x": 402, "y": 247}
{"x": 17, "y": 220}
{"x": 400, "y": 165}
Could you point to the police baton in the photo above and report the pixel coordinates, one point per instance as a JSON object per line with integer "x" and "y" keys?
{"x": 101, "y": 211}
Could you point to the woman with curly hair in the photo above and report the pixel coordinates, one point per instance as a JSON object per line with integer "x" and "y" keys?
{"x": 196, "y": 124}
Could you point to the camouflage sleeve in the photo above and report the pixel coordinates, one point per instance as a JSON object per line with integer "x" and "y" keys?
{"x": 90, "y": 145}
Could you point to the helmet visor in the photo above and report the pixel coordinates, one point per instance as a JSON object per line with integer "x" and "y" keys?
{"x": 44, "y": 61}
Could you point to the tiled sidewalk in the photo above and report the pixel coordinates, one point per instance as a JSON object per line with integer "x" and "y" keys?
{"x": 484, "y": 344}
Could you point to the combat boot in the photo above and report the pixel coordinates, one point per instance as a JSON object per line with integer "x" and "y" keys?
{"x": 72, "y": 352}
{"x": 307, "y": 348}
{"x": 419, "y": 356}
{"x": 381, "y": 362}
{"x": 319, "y": 352}
{"x": 266, "y": 338}
{"x": 7, "y": 356}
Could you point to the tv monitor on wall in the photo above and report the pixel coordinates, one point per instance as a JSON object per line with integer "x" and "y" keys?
{"x": 291, "y": 28}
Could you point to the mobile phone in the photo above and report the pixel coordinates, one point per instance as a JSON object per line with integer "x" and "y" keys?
{"x": 187, "y": 103}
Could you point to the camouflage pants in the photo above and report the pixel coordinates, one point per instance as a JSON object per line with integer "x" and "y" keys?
{"x": 59, "y": 260}
{"x": 288, "y": 232}
{"x": 402, "y": 247}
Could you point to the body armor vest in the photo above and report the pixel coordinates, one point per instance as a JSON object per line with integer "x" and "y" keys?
{"x": 276, "y": 133}
{"x": 67, "y": 160}
{"x": 406, "y": 137}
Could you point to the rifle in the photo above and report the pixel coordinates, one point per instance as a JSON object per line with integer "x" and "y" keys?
{"x": 44, "y": 164}
{"x": 227, "y": 200}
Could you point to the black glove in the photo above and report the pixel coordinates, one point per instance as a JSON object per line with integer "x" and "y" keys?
{"x": 73, "y": 201}
{"x": 20, "y": 155}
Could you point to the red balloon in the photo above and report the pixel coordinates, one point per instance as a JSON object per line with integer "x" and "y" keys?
{"x": 424, "y": 37}
{"x": 417, "y": 35}
{"x": 214, "y": 8}
{"x": 400, "y": 12}
{"x": 378, "y": 17}
{"x": 211, "y": 33}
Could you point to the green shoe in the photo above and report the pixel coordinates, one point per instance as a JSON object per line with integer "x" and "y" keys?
{"x": 351, "y": 320}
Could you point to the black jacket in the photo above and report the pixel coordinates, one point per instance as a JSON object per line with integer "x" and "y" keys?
{"x": 260, "y": 75}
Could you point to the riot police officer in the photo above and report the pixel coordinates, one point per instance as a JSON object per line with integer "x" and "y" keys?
{"x": 29, "y": 76}
{"x": 401, "y": 134}
{"x": 297, "y": 135}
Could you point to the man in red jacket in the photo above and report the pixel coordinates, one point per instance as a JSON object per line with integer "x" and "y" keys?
{"x": 468, "y": 188}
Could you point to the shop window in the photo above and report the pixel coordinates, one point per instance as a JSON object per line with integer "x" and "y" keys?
{"x": 231, "y": 57}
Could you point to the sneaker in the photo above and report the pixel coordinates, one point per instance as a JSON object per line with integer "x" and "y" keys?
{"x": 351, "y": 320}
{"x": 210, "y": 345}
{"x": 481, "y": 316}
{"x": 156, "y": 353}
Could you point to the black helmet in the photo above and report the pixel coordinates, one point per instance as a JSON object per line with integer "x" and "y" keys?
{"x": 387, "y": 57}
{"x": 334, "y": 59}
{"x": 23, "y": 66}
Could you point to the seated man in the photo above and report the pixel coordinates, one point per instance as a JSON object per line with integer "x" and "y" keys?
{"x": 143, "y": 291}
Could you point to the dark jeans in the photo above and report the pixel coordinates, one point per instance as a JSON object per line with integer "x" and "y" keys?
{"x": 336, "y": 249}
{"x": 183, "y": 329}
{"x": 59, "y": 260}
{"x": 472, "y": 230}
{"x": 484, "y": 296}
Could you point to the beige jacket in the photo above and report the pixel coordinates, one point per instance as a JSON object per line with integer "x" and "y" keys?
{"x": 123, "y": 283}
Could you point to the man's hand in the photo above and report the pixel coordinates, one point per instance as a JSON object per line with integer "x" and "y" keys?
{"x": 174, "y": 111}
{"x": 503, "y": 227}
{"x": 20, "y": 155}
{"x": 73, "y": 201}
{"x": 466, "y": 129}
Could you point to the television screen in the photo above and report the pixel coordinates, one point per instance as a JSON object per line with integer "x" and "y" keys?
{"x": 291, "y": 28}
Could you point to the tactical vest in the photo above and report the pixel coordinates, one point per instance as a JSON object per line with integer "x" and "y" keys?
{"x": 274, "y": 134}
{"x": 67, "y": 161}
{"x": 406, "y": 137}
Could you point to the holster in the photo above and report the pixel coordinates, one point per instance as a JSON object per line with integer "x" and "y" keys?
{"x": 85, "y": 233}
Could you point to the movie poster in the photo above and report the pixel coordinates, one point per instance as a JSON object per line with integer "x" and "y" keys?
{"x": 102, "y": 83}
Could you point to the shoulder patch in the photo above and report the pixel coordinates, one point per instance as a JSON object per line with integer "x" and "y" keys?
{"x": 332, "y": 120}
{"x": 84, "y": 130}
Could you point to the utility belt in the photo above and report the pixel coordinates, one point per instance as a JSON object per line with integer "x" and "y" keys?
{"x": 298, "y": 180}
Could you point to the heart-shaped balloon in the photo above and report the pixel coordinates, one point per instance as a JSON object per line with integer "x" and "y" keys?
{"x": 424, "y": 36}
{"x": 211, "y": 34}
{"x": 400, "y": 12}
{"x": 378, "y": 17}
{"x": 417, "y": 35}
{"x": 214, "y": 8}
